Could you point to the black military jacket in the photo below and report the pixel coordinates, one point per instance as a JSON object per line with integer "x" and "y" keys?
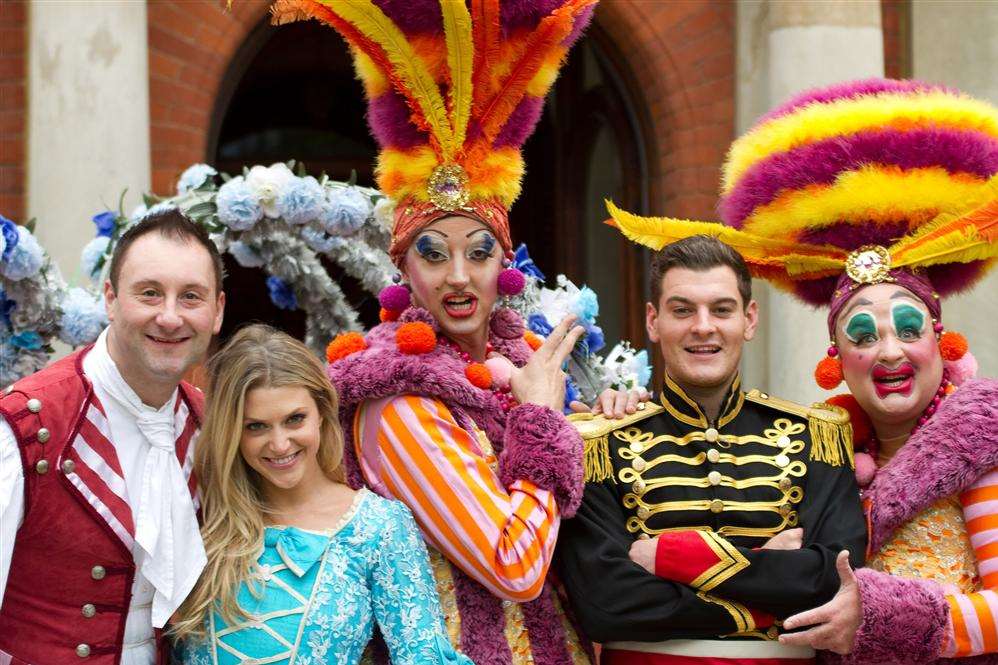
{"x": 764, "y": 466}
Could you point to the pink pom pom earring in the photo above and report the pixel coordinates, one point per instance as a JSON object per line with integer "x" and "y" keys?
{"x": 511, "y": 281}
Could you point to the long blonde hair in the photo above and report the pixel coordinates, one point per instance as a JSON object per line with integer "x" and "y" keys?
{"x": 232, "y": 505}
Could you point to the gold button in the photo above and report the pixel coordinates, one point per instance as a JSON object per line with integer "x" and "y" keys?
{"x": 772, "y": 633}
{"x": 68, "y": 466}
{"x": 644, "y": 536}
{"x": 89, "y": 611}
{"x": 34, "y": 405}
{"x": 710, "y": 434}
{"x": 98, "y": 572}
{"x": 643, "y": 512}
{"x": 785, "y": 484}
{"x": 764, "y": 395}
{"x": 42, "y": 467}
{"x": 714, "y": 478}
{"x": 782, "y": 460}
{"x": 638, "y": 486}
{"x": 43, "y": 434}
{"x": 716, "y": 506}
{"x": 636, "y": 447}
{"x": 83, "y": 650}
{"x": 638, "y": 464}
{"x": 783, "y": 441}
{"x": 713, "y": 455}
{"x": 641, "y": 406}
{"x": 785, "y": 509}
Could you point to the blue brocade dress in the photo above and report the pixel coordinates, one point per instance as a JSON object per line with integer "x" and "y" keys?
{"x": 318, "y": 595}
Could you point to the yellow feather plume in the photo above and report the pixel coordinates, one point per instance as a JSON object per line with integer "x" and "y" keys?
{"x": 762, "y": 254}
{"x": 460, "y": 61}
{"x": 370, "y": 21}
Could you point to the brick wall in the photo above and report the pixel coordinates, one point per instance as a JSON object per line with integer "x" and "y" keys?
{"x": 682, "y": 56}
{"x": 191, "y": 44}
{"x": 13, "y": 80}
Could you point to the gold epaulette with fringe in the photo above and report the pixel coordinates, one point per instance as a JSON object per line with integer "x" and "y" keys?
{"x": 595, "y": 431}
{"x": 831, "y": 432}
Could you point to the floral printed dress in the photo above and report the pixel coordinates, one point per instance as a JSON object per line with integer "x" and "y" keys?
{"x": 317, "y": 596}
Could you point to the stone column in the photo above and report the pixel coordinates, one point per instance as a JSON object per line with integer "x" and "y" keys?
{"x": 88, "y": 118}
{"x": 953, "y": 43}
{"x": 785, "y": 48}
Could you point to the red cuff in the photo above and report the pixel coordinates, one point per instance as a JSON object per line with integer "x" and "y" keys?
{"x": 700, "y": 559}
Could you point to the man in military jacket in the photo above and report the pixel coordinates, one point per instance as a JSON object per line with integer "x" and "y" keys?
{"x": 710, "y": 514}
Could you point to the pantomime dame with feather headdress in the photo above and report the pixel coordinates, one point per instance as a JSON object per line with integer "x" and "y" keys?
{"x": 448, "y": 405}
{"x": 879, "y": 198}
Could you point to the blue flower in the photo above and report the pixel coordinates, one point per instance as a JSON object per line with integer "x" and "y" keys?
{"x": 281, "y": 294}
{"x": 345, "y": 211}
{"x": 594, "y": 338}
{"x": 301, "y": 200}
{"x": 6, "y": 307}
{"x": 91, "y": 254}
{"x": 26, "y": 259}
{"x": 10, "y": 236}
{"x": 105, "y": 222}
{"x": 83, "y": 317}
{"x": 194, "y": 177}
{"x": 525, "y": 264}
{"x": 587, "y": 305}
{"x": 245, "y": 255}
{"x": 238, "y": 207}
{"x": 318, "y": 240}
{"x": 28, "y": 340}
{"x": 539, "y": 324}
{"x": 643, "y": 367}
{"x": 572, "y": 394}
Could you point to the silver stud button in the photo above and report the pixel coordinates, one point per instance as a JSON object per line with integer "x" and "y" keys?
{"x": 713, "y": 455}
{"x": 34, "y": 405}
{"x": 68, "y": 466}
{"x": 782, "y": 460}
{"x": 42, "y": 467}
{"x": 89, "y": 611}
{"x": 714, "y": 478}
{"x": 711, "y": 434}
{"x": 83, "y": 650}
{"x": 783, "y": 441}
{"x": 98, "y": 572}
{"x": 43, "y": 434}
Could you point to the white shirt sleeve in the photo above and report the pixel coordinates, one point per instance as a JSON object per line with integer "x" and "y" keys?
{"x": 11, "y": 499}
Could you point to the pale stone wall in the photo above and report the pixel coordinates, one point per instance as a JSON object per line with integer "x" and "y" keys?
{"x": 88, "y": 118}
{"x": 784, "y": 48}
{"x": 954, "y": 42}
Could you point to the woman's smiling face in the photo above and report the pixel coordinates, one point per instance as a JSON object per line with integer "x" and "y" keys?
{"x": 890, "y": 355}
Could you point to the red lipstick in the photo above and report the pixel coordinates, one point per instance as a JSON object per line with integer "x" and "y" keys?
{"x": 888, "y": 381}
{"x": 460, "y": 305}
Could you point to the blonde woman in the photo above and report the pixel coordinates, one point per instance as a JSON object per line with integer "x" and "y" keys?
{"x": 300, "y": 566}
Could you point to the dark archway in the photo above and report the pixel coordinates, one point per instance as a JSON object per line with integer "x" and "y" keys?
{"x": 290, "y": 92}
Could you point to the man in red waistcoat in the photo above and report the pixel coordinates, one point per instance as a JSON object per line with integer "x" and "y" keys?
{"x": 99, "y": 541}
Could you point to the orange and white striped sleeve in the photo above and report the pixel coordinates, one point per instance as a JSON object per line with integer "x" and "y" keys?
{"x": 974, "y": 616}
{"x": 412, "y": 449}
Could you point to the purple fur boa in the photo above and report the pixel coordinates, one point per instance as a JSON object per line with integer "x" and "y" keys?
{"x": 532, "y": 443}
{"x": 949, "y": 453}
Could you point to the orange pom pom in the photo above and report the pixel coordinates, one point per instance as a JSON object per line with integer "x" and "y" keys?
{"x": 479, "y": 375}
{"x": 862, "y": 428}
{"x": 389, "y": 314}
{"x": 344, "y": 345}
{"x": 533, "y": 340}
{"x": 953, "y": 345}
{"x": 415, "y": 338}
{"x": 828, "y": 373}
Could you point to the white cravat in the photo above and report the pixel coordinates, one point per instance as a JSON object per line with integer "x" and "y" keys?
{"x": 166, "y": 527}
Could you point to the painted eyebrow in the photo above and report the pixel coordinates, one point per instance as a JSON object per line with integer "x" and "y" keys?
{"x": 438, "y": 232}
{"x": 905, "y": 294}
{"x": 478, "y": 231}
{"x": 858, "y": 303}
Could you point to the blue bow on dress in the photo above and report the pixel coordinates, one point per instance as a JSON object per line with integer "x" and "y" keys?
{"x": 299, "y": 550}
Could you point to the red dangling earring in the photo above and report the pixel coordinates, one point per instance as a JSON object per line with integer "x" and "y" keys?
{"x": 511, "y": 281}
{"x": 828, "y": 373}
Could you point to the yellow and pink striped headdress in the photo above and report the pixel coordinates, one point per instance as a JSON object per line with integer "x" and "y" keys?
{"x": 454, "y": 89}
{"x": 882, "y": 174}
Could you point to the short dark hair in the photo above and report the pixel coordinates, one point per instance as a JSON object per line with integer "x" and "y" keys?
{"x": 699, "y": 252}
{"x": 170, "y": 223}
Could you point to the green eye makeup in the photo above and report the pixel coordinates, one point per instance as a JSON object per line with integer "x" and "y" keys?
{"x": 907, "y": 318}
{"x": 859, "y": 326}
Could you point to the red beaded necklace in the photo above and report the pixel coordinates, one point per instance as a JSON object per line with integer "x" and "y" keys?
{"x": 480, "y": 376}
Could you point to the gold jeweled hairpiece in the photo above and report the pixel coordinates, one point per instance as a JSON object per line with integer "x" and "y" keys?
{"x": 870, "y": 264}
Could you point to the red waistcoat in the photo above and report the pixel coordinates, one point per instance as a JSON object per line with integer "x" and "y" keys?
{"x": 71, "y": 575}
